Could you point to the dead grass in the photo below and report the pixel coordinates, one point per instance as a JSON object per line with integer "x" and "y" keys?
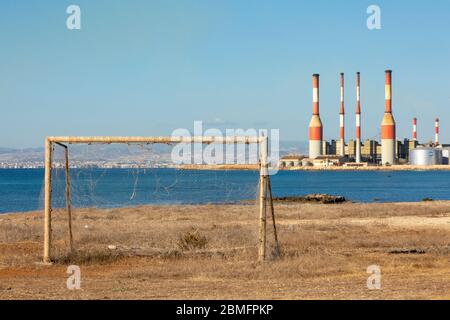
{"x": 192, "y": 240}
{"x": 86, "y": 257}
{"x": 198, "y": 252}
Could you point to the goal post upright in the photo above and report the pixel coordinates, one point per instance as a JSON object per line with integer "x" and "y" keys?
{"x": 47, "y": 200}
{"x": 263, "y": 174}
{"x": 68, "y": 201}
{"x": 264, "y": 185}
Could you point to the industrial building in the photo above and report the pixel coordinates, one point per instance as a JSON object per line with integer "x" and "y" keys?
{"x": 388, "y": 154}
{"x": 315, "y": 126}
{"x": 355, "y": 152}
{"x": 371, "y": 153}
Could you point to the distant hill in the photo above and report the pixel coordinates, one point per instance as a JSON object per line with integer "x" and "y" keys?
{"x": 290, "y": 147}
{"x": 119, "y": 153}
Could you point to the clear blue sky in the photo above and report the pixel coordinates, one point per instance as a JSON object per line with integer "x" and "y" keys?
{"x": 148, "y": 67}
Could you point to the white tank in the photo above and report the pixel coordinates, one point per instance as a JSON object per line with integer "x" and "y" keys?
{"x": 425, "y": 156}
{"x": 445, "y": 155}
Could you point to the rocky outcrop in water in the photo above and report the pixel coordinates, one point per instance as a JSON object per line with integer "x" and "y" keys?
{"x": 314, "y": 198}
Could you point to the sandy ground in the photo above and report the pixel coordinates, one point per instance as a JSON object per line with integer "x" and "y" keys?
{"x": 325, "y": 252}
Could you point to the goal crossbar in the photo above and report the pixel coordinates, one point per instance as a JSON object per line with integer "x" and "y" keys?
{"x": 170, "y": 140}
{"x": 265, "y": 194}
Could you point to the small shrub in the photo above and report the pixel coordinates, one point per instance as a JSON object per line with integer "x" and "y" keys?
{"x": 191, "y": 240}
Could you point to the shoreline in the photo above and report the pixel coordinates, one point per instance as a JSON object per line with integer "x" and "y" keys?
{"x": 246, "y": 203}
{"x": 443, "y": 167}
{"x": 255, "y": 167}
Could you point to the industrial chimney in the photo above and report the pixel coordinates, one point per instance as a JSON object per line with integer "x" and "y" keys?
{"x": 341, "y": 120}
{"x": 436, "y": 136}
{"x": 388, "y": 125}
{"x": 315, "y": 126}
{"x": 415, "y": 129}
{"x": 358, "y": 120}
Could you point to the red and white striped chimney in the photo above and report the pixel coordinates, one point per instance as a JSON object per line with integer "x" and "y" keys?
{"x": 415, "y": 129}
{"x": 341, "y": 120}
{"x": 358, "y": 119}
{"x": 388, "y": 125}
{"x": 436, "y": 137}
{"x": 315, "y": 126}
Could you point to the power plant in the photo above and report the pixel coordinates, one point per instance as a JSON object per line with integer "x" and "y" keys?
{"x": 388, "y": 125}
{"x": 357, "y": 153}
{"x": 436, "y": 137}
{"x": 341, "y": 120}
{"x": 415, "y": 129}
{"x": 358, "y": 119}
{"x": 315, "y": 126}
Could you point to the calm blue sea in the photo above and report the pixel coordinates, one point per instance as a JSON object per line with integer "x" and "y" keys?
{"x": 22, "y": 189}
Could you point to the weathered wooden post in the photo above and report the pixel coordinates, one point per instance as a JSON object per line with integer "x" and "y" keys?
{"x": 47, "y": 200}
{"x": 262, "y": 198}
{"x": 272, "y": 210}
{"x": 68, "y": 204}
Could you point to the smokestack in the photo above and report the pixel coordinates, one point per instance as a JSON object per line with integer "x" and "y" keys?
{"x": 358, "y": 120}
{"x": 415, "y": 129}
{"x": 315, "y": 126}
{"x": 388, "y": 125}
{"x": 341, "y": 120}
{"x": 436, "y": 136}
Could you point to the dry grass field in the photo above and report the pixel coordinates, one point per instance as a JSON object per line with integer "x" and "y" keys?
{"x": 209, "y": 252}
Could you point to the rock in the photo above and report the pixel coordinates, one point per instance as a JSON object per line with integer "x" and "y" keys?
{"x": 112, "y": 247}
{"x": 318, "y": 198}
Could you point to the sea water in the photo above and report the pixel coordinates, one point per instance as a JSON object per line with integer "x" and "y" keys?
{"x": 22, "y": 189}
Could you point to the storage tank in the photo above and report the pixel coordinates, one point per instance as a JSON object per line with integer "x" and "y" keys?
{"x": 445, "y": 155}
{"x": 425, "y": 156}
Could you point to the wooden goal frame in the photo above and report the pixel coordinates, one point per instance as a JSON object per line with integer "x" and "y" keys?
{"x": 265, "y": 193}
